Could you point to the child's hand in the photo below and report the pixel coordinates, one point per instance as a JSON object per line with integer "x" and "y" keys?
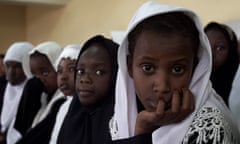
{"x": 179, "y": 109}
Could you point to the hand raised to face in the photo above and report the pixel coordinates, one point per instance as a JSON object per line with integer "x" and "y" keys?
{"x": 182, "y": 105}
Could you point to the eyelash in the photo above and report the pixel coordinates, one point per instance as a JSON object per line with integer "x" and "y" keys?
{"x": 97, "y": 72}
{"x": 149, "y": 69}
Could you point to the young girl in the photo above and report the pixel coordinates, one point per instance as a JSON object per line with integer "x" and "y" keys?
{"x": 16, "y": 80}
{"x": 165, "y": 57}
{"x": 225, "y": 57}
{"x": 37, "y": 100}
{"x": 91, "y": 109}
{"x": 66, "y": 64}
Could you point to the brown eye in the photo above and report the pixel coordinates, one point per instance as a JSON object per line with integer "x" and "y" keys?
{"x": 99, "y": 72}
{"x": 178, "y": 69}
{"x": 80, "y": 72}
{"x": 72, "y": 69}
{"x": 147, "y": 68}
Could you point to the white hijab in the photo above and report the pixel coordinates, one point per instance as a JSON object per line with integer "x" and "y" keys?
{"x": 52, "y": 50}
{"x": 70, "y": 51}
{"x": 234, "y": 98}
{"x": 125, "y": 104}
{"x": 16, "y": 52}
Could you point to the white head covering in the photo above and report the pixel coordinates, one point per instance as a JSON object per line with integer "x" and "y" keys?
{"x": 51, "y": 49}
{"x": 125, "y": 104}
{"x": 70, "y": 51}
{"x": 16, "y": 52}
{"x": 234, "y": 98}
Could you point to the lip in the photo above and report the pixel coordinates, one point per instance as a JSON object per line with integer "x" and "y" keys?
{"x": 64, "y": 86}
{"x": 153, "y": 103}
{"x": 85, "y": 92}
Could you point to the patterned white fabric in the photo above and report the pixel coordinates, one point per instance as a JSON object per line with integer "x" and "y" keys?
{"x": 123, "y": 123}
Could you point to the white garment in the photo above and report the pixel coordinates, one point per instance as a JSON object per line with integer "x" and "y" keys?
{"x": 70, "y": 51}
{"x": 12, "y": 134}
{"x": 46, "y": 107}
{"x": 18, "y": 52}
{"x": 234, "y": 98}
{"x": 122, "y": 124}
{"x": 11, "y": 100}
{"x": 59, "y": 120}
{"x": 51, "y": 49}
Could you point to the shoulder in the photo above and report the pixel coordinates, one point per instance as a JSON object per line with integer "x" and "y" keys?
{"x": 209, "y": 126}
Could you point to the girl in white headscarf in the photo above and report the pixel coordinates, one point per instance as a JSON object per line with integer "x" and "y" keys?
{"x": 17, "y": 78}
{"x": 47, "y": 75}
{"x": 66, "y": 64}
{"x": 40, "y": 93}
{"x": 164, "y": 57}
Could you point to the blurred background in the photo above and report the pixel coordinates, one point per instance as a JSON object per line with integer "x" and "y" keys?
{"x": 74, "y": 21}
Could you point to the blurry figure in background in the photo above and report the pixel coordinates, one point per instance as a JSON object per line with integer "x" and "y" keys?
{"x": 224, "y": 46}
{"x": 42, "y": 132}
{"x": 3, "y": 81}
{"x": 2, "y": 69}
{"x": 66, "y": 65}
{"x": 17, "y": 78}
{"x": 40, "y": 93}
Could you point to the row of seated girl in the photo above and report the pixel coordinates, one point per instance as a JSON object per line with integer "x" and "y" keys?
{"x": 154, "y": 88}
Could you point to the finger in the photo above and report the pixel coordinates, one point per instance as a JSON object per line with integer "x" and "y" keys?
{"x": 192, "y": 102}
{"x": 160, "y": 108}
{"x": 176, "y": 102}
{"x": 187, "y": 100}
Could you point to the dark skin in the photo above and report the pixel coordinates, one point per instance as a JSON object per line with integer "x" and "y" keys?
{"x": 220, "y": 48}
{"x": 162, "y": 67}
{"x": 43, "y": 69}
{"x": 14, "y": 72}
{"x": 94, "y": 75}
{"x": 2, "y": 69}
{"x": 65, "y": 77}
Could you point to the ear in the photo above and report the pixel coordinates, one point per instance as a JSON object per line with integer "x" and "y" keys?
{"x": 129, "y": 65}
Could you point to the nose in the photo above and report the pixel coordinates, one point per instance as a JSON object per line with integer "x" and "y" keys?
{"x": 63, "y": 76}
{"x": 162, "y": 83}
{"x": 85, "y": 79}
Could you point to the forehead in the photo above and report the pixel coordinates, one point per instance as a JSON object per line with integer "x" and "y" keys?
{"x": 155, "y": 43}
{"x": 39, "y": 61}
{"x": 10, "y": 62}
{"x": 216, "y": 34}
{"x": 95, "y": 53}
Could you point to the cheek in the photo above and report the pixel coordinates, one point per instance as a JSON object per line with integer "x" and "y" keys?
{"x": 220, "y": 59}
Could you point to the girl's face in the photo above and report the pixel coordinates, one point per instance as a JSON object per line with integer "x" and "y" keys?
{"x": 94, "y": 75}
{"x": 220, "y": 48}
{"x": 2, "y": 69}
{"x": 14, "y": 72}
{"x": 42, "y": 68}
{"x": 161, "y": 63}
{"x": 65, "y": 77}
